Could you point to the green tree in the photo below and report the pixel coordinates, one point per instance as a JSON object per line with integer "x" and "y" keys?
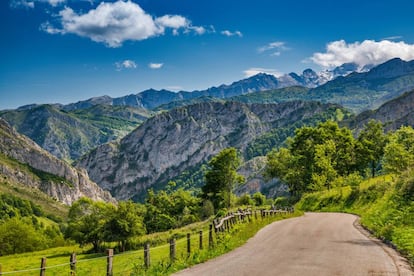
{"x": 124, "y": 223}
{"x": 86, "y": 222}
{"x": 325, "y": 163}
{"x": 313, "y": 158}
{"x": 370, "y": 146}
{"x": 399, "y": 151}
{"x": 18, "y": 235}
{"x": 221, "y": 178}
{"x": 259, "y": 198}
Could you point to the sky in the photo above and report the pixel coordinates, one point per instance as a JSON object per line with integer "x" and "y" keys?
{"x": 63, "y": 51}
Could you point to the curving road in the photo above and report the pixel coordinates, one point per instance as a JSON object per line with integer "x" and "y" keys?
{"x": 314, "y": 244}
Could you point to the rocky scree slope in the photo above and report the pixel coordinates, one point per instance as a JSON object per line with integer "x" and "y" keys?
{"x": 24, "y": 162}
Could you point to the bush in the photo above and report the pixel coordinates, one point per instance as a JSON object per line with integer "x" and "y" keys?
{"x": 245, "y": 200}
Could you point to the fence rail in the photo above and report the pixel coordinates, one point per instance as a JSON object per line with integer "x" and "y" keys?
{"x": 219, "y": 225}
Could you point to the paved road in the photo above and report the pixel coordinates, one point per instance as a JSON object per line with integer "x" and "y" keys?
{"x": 314, "y": 244}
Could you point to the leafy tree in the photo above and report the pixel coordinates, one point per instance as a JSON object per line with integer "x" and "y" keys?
{"x": 221, "y": 177}
{"x": 313, "y": 158}
{"x": 124, "y": 223}
{"x": 370, "y": 146}
{"x": 165, "y": 211}
{"x": 18, "y": 235}
{"x": 86, "y": 222}
{"x": 399, "y": 151}
{"x": 245, "y": 199}
{"x": 325, "y": 164}
{"x": 259, "y": 198}
{"x": 207, "y": 210}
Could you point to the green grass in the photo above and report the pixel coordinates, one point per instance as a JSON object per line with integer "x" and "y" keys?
{"x": 132, "y": 262}
{"x": 381, "y": 203}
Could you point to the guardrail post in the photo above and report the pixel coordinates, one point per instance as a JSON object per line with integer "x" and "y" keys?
{"x": 109, "y": 262}
{"x": 73, "y": 264}
{"x": 201, "y": 239}
{"x": 43, "y": 267}
{"x": 147, "y": 260}
{"x": 172, "y": 250}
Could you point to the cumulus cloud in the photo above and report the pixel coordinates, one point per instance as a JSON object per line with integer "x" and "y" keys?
{"x": 255, "y": 70}
{"x": 155, "y": 65}
{"x": 229, "y": 33}
{"x": 273, "y": 48}
{"x": 116, "y": 22}
{"x": 126, "y": 64}
{"x": 362, "y": 53}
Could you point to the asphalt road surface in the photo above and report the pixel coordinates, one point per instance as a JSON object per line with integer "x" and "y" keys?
{"x": 314, "y": 244}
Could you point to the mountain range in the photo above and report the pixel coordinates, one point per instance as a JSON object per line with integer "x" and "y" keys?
{"x": 151, "y": 98}
{"x": 131, "y": 143}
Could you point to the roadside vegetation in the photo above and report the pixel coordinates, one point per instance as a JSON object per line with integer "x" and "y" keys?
{"x": 372, "y": 175}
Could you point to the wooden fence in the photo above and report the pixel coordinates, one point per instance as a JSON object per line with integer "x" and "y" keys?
{"x": 219, "y": 225}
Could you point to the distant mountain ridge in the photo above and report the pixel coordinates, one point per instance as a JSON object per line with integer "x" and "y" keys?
{"x": 152, "y": 98}
{"x": 393, "y": 114}
{"x": 70, "y": 134}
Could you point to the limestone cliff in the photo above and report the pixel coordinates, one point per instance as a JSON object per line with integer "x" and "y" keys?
{"x": 24, "y": 162}
{"x": 171, "y": 142}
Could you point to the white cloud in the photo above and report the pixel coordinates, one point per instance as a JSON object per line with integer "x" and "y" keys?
{"x": 31, "y": 3}
{"x": 274, "y": 48}
{"x": 362, "y": 53}
{"x": 255, "y": 70}
{"x": 126, "y": 64}
{"x": 155, "y": 65}
{"x": 55, "y": 3}
{"x": 229, "y": 33}
{"x": 172, "y": 21}
{"x": 116, "y": 22}
{"x": 15, "y": 4}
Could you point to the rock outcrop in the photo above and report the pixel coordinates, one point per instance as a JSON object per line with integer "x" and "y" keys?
{"x": 25, "y": 162}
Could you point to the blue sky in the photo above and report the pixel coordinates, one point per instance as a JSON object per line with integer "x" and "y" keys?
{"x": 62, "y": 51}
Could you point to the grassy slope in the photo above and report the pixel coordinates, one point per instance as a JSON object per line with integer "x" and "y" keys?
{"x": 384, "y": 204}
{"x": 131, "y": 262}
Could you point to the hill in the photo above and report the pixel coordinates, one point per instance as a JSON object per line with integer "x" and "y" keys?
{"x": 393, "y": 114}
{"x": 24, "y": 163}
{"x": 70, "y": 134}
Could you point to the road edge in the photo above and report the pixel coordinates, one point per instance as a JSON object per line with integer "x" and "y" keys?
{"x": 401, "y": 263}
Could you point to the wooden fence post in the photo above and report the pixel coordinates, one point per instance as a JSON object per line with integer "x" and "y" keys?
{"x": 43, "y": 267}
{"x": 210, "y": 236}
{"x": 147, "y": 260}
{"x": 109, "y": 262}
{"x": 201, "y": 240}
{"x": 172, "y": 250}
{"x": 73, "y": 264}
{"x": 188, "y": 244}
